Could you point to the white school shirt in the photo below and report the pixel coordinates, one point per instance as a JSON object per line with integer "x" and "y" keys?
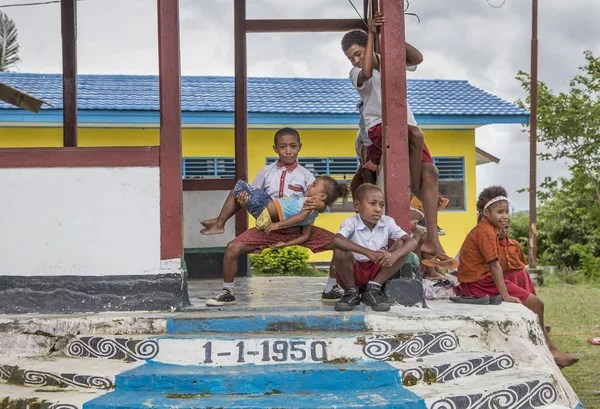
{"x": 370, "y": 95}
{"x": 279, "y": 181}
{"x": 355, "y": 230}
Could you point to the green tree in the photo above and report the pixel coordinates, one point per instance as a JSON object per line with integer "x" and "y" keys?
{"x": 9, "y": 47}
{"x": 569, "y": 127}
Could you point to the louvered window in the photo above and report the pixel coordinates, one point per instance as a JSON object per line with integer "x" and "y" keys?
{"x": 208, "y": 168}
{"x": 452, "y": 180}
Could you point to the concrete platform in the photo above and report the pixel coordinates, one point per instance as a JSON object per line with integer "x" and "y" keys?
{"x": 446, "y": 356}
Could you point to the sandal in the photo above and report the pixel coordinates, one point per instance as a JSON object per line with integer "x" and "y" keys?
{"x": 442, "y": 203}
{"x": 437, "y": 261}
{"x": 416, "y": 214}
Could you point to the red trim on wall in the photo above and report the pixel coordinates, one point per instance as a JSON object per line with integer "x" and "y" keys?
{"x": 208, "y": 184}
{"x": 171, "y": 203}
{"x": 79, "y": 157}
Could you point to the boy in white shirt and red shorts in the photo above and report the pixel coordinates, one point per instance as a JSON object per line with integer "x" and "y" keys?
{"x": 362, "y": 278}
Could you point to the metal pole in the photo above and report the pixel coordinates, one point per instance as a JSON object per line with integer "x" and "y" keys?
{"x": 68, "y": 21}
{"x": 395, "y": 129}
{"x": 241, "y": 105}
{"x": 533, "y": 137}
{"x": 169, "y": 68}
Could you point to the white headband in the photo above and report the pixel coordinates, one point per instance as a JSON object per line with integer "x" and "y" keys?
{"x": 494, "y": 200}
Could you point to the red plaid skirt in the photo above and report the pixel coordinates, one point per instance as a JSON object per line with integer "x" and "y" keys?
{"x": 261, "y": 240}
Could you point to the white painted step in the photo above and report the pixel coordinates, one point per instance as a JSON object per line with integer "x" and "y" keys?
{"x": 60, "y": 372}
{"x": 449, "y": 366}
{"x": 510, "y": 389}
{"x": 12, "y": 394}
{"x": 285, "y": 348}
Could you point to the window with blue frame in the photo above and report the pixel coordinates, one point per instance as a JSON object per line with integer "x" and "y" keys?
{"x": 452, "y": 180}
{"x": 208, "y": 168}
{"x": 341, "y": 168}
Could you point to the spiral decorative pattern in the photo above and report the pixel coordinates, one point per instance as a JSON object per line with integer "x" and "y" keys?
{"x": 36, "y": 378}
{"x": 113, "y": 348}
{"x": 5, "y": 371}
{"x": 530, "y": 395}
{"x": 418, "y": 346}
{"x": 378, "y": 349}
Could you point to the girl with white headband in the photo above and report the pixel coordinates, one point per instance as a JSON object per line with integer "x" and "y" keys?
{"x": 480, "y": 274}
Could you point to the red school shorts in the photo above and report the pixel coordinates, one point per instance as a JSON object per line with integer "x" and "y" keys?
{"x": 364, "y": 271}
{"x": 374, "y": 151}
{"x": 487, "y": 286}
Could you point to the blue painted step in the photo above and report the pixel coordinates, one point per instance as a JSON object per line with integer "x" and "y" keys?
{"x": 259, "y": 322}
{"x": 282, "y": 378}
{"x": 385, "y": 398}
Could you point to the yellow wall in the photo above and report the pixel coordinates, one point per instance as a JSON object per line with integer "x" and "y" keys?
{"x": 320, "y": 143}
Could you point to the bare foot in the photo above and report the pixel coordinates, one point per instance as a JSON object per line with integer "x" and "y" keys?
{"x": 212, "y": 230}
{"x": 562, "y": 359}
{"x": 431, "y": 248}
{"x": 433, "y": 275}
{"x": 209, "y": 222}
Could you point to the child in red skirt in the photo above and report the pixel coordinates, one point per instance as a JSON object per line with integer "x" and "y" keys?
{"x": 372, "y": 229}
{"x": 365, "y": 75}
{"x": 512, "y": 260}
{"x": 480, "y": 272}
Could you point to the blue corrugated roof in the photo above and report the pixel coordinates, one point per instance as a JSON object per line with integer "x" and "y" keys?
{"x": 265, "y": 95}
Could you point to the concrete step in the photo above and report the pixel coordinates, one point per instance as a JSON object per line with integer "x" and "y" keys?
{"x": 21, "y": 397}
{"x": 446, "y": 367}
{"x": 510, "y": 389}
{"x": 282, "y": 379}
{"x": 278, "y": 348}
{"x": 61, "y": 372}
{"x": 386, "y": 398}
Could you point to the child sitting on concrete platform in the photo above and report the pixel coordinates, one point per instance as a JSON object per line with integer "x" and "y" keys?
{"x": 371, "y": 229}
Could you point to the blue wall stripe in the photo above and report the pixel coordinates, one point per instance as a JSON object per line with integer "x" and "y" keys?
{"x": 226, "y": 118}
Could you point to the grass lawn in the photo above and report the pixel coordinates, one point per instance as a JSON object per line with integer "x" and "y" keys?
{"x": 575, "y": 310}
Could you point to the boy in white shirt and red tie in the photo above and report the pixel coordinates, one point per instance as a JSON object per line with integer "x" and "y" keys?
{"x": 362, "y": 278}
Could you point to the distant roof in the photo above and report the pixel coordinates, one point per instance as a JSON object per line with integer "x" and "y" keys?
{"x": 482, "y": 157}
{"x": 322, "y": 96}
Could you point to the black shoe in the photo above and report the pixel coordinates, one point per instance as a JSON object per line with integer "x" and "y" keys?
{"x": 485, "y": 300}
{"x": 333, "y": 295}
{"x": 349, "y": 300}
{"x": 225, "y": 297}
{"x": 374, "y": 298}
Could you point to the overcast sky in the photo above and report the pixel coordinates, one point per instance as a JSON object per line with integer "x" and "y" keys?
{"x": 460, "y": 39}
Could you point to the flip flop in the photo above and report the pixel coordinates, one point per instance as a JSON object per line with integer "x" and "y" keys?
{"x": 437, "y": 261}
{"x": 471, "y": 299}
{"x": 594, "y": 341}
{"x": 416, "y": 214}
{"x": 416, "y": 203}
{"x": 443, "y": 203}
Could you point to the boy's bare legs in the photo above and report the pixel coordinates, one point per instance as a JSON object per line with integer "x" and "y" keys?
{"x": 416, "y": 141}
{"x": 429, "y": 196}
{"x": 230, "y": 264}
{"x": 562, "y": 359}
{"x": 217, "y": 226}
{"x": 344, "y": 265}
{"x": 230, "y": 259}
